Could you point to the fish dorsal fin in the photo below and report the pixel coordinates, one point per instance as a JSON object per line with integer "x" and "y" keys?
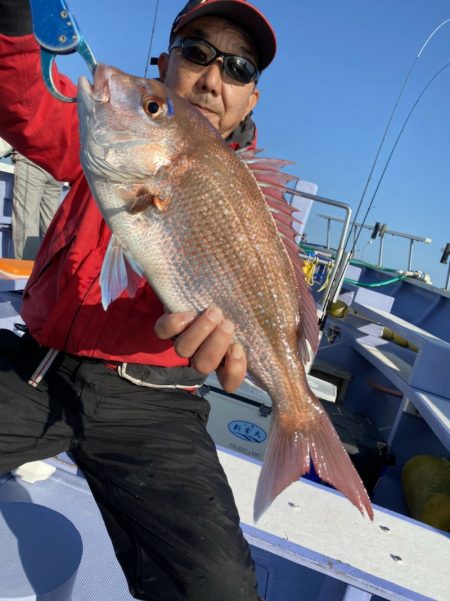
{"x": 272, "y": 183}
{"x": 119, "y": 272}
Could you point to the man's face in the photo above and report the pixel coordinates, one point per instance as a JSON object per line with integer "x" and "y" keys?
{"x": 222, "y": 100}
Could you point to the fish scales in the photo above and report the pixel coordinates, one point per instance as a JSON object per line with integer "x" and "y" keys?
{"x": 235, "y": 252}
{"x": 189, "y": 214}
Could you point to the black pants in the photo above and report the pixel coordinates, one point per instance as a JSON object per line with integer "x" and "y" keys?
{"x": 151, "y": 466}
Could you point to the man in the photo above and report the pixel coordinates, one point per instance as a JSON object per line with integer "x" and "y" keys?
{"x": 112, "y": 387}
{"x": 36, "y": 197}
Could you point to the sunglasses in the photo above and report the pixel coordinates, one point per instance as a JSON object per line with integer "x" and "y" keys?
{"x": 201, "y": 52}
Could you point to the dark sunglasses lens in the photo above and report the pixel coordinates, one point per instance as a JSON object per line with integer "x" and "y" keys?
{"x": 240, "y": 69}
{"x": 201, "y": 53}
{"x": 198, "y": 52}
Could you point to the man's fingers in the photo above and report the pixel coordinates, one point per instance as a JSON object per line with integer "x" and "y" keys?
{"x": 172, "y": 324}
{"x": 207, "y": 340}
{"x": 232, "y": 372}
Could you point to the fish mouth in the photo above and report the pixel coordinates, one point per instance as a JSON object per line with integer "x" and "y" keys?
{"x": 99, "y": 91}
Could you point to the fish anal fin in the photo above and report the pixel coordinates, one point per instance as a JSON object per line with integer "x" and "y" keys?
{"x": 308, "y": 331}
{"x": 288, "y": 455}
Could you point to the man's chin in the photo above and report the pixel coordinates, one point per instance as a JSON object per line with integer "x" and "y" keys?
{"x": 210, "y": 115}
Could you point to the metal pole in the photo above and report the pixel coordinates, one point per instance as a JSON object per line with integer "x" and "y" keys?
{"x": 328, "y": 232}
{"x": 447, "y": 283}
{"x": 411, "y": 243}
{"x": 336, "y": 286}
{"x": 340, "y": 248}
{"x": 380, "y": 254}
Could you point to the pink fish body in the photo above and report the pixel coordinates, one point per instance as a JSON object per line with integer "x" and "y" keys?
{"x": 188, "y": 213}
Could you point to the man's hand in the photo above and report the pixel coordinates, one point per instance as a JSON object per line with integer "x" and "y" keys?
{"x": 206, "y": 339}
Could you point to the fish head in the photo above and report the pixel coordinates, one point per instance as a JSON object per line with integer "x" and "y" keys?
{"x": 128, "y": 130}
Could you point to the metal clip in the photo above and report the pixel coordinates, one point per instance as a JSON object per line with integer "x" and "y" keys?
{"x": 265, "y": 410}
{"x": 57, "y": 32}
{"x": 333, "y": 334}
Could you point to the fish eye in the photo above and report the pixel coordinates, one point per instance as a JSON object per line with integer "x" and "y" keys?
{"x": 153, "y": 107}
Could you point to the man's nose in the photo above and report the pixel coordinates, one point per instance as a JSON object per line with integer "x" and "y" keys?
{"x": 211, "y": 79}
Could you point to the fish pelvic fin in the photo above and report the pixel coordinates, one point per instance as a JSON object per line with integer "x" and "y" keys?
{"x": 119, "y": 273}
{"x": 288, "y": 456}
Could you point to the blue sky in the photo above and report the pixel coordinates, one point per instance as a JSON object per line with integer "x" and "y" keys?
{"x": 325, "y": 102}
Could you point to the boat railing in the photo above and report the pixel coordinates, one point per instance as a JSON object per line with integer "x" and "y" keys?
{"x": 341, "y": 257}
{"x": 379, "y": 230}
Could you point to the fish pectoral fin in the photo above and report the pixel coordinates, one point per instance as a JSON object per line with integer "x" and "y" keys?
{"x": 119, "y": 272}
{"x": 161, "y": 204}
{"x": 288, "y": 455}
{"x": 141, "y": 198}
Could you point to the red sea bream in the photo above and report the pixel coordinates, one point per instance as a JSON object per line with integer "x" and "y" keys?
{"x": 207, "y": 225}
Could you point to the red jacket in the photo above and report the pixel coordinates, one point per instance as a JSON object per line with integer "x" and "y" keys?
{"x": 61, "y": 304}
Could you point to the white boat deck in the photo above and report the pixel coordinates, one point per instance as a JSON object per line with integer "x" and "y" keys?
{"x": 393, "y": 556}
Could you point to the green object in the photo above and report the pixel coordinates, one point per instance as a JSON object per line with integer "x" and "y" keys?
{"x": 376, "y": 284}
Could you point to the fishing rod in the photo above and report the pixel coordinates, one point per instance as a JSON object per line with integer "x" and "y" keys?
{"x": 333, "y": 289}
{"x": 147, "y": 63}
{"x": 383, "y": 139}
{"x": 348, "y": 255}
{"x": 399, "y": 136}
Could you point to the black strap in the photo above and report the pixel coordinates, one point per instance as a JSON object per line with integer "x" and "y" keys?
{"x": 15, "y": 17}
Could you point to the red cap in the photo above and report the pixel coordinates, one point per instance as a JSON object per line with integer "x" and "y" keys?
{"x": 241, "y": 12}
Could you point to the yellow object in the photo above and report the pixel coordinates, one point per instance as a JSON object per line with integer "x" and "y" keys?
{"x": 327, "y": 279}
{"x": 16, "y": 267}
{"x": 426, "y": 486}
{"x": 338, "y": 309}
{"x": 309, "y": 269}
{"x": 388, "y": 334}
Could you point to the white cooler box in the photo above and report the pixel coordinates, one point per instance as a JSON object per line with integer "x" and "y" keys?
{"x": 241, "y": 421}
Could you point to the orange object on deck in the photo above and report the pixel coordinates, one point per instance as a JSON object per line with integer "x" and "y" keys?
{"x": 16, "y": 267}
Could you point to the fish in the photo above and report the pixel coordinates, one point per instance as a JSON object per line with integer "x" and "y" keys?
{"x": 208, "y": 225}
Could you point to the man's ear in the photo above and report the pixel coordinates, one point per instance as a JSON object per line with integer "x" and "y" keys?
{"x": 163, "y": 62}
{"x": 252, "y": 101}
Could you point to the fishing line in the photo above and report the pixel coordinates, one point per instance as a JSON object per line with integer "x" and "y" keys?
{"x": 342, "y": 272}
{"x": 394, "y": 110}
{"x": 398, "y": 138}
{"x": 151, "y": 39}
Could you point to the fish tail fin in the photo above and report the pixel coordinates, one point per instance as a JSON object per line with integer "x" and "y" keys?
{"x": 288, "y": 457}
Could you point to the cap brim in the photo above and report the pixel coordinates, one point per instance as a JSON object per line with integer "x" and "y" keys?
{"x": 246, "y": 16}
